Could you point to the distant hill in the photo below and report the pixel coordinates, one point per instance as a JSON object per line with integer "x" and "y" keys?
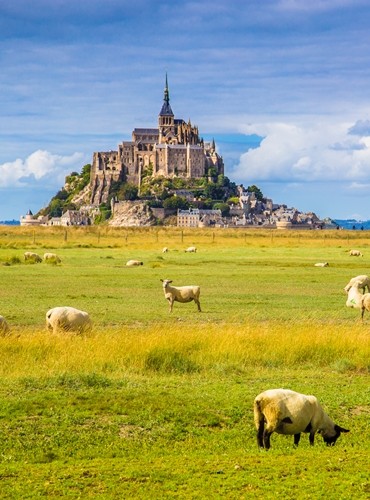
{"x": 9, "y": 222}
{"x": 353, "y": 224}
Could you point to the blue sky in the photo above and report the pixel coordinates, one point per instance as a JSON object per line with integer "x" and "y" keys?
{"x": 77, "y": 77}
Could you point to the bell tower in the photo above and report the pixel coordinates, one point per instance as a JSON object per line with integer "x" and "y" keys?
{"x": 166, "y": 119}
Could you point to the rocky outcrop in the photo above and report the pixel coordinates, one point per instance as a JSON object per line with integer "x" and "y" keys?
{"x": 131, "y": 214}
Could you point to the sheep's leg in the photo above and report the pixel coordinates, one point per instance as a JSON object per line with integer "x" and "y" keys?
{"x": 297, "y": 437}
{"x": 362, "y": 313}
{"x": 261, "y": 428}
{"x": 312, "y": 438}
{"x": 198, "y": 304}
{"x": 266, "y": 439}
{"x": 170, "y": 304}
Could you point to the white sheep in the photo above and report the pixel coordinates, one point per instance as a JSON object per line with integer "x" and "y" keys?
{"x": 133, "y": 263}
{"x": 322, "y": 264}
{"x": 357, "y": 300}
{"x": 68, "y": 319}
{"x": 52, "y": 257}
{"x": 363, "y": 282}
{"x": 355, "y": 253}
{"x": 4, "y": 327}
{"x": 288, "y": 412}
{"x": 191, "y": 249}
{"x": 32, "y": 257}
{"x": 181, "y": 293}
{"x": 164, "y": 250}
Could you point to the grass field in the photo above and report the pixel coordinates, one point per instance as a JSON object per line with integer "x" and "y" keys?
{"x": 158, "y": 405}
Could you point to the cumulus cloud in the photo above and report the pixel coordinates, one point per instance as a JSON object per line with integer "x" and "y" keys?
{"x": 361, "y": 128}
{"x": 304, "y": 153}
{"x": 39, "y": 167}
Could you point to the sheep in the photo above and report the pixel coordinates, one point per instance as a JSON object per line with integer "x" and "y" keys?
{"x": 357, "y": 300}
{"x": 164, "y": 250}
{"x": 4, "y": 327}
{"x": 32, "y": 257}
{"x": 52, "y": 257}
{"x": 355, "y": 253}
{"x": 133, "y": 263}
{"x": 191, "y": 249}
{"x": 363, "y": 281}
{"x": 181, "y": 294}
{"x": 68, "y": 319}
{"x": 322, "y": 264}
{"x": 288, "y": 412}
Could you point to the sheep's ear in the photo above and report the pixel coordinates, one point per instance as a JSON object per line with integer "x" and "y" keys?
{"x": 340, "y": 429}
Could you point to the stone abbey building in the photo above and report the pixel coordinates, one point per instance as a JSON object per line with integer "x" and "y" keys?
{"x": 173, "y": 149}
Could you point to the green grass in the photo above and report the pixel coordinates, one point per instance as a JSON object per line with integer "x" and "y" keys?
{"x": 154, "y": 405}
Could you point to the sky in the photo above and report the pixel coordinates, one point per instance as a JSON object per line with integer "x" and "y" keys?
{"x": 283, "y": 86}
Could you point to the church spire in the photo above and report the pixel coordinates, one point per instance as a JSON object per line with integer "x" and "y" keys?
{"x": 166, "y": 107}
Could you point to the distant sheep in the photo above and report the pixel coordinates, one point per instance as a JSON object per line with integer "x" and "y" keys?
{"x": 52, "y": 257}
{"x": 4, "y": 327}
{"x": 291, "y": 413}
{"x": 191, "y": 249}
{"x": 357, "y": 300}
{"x": 363, "y": 283}
{"x": 133, "y": 263}
{"x": 32, "y": 257}
{"x": 181, "y": 293}
{"x": 355, "y": 253}
{"x": 164, "y": 250}
{"x": 322, "y": 264}
{"x": 68, "y": 319}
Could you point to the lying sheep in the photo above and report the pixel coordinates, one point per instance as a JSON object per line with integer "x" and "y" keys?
{"x": 322, "y": 264}
{"x": 191, "y": 249}
{"x": 32, "y": 257}
{"x": 355, "y": 253}
{"x": 363, "y": 283}
{"x": 181, "y": 293}
{"x": 4, "y": 327}
{"x": 164, "y": 250}
{"x": 52, "y": 257}
{"x": 133, "y": 263}
{"x": 357, "y": 300}
{"x": 68, "y": 319}
{"x": 288, "y": 412}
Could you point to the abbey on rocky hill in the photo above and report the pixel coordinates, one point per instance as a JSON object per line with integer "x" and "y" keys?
{"x": 174, "y": 149}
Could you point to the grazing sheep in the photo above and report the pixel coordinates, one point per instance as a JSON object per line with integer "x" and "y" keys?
{"x": 322, "y": 264}
{"x": 357, "y": 300}
{"x": 68, "y": 319}
{"x": 288, "y": 412}
{"x": 191, "y": 249}
{"x": 355, "y": 253}
{"x": 4, "y": 327}
{"x": 363, "y": 282}
{"x": 52, "y": 257}
{"x": 164, "y": 250}
{"x": 32, "y": 257}
{"x": 181, "y": 293}
{"x": 133, "y": 263}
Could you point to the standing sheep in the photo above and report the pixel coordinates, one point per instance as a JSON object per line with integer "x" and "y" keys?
{"x": 357, "y": 300}
{"x": 181, "y": 293}
{"x": 191, "y": 249}
{"x": 68, "y": 319}
{"x": 32, "y": 257}
{"x": 288, "y": 412}
{"x": 52, "y": 258}
{"x": 355, "y": 253}
{"x": 4, "y": 327}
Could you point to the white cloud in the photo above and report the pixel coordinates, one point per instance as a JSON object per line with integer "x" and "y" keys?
{"x": 40, "y": 166}
{"x": 320, "y": 151}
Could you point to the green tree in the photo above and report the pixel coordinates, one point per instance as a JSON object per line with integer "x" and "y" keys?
{"x": 176, "y": 202}
{"x": 56, "y": 207}
{"x": 224, "y": 207}
{"x": 256, "y": 190}
{"x": 128, "y": 192}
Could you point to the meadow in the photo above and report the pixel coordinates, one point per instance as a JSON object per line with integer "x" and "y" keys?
{"x": 158, "y": 405}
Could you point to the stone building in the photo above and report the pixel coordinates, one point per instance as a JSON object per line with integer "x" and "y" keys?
{"x": 173, "y": 149}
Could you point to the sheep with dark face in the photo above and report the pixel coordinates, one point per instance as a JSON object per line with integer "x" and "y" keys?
{"x": 32, "y": 257}
{"x": 181, "y": 293}
{"x": 288, "y": 412}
